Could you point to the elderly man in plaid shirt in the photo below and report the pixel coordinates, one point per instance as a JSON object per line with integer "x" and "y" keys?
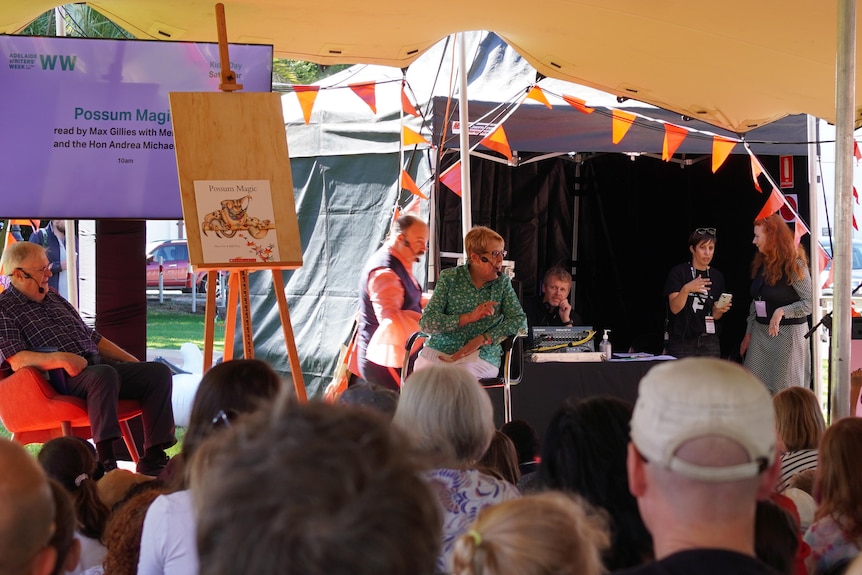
{"x": 39, "y": 328}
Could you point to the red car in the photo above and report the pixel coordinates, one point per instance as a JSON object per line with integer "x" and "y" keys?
{"x": 175, "y": 266}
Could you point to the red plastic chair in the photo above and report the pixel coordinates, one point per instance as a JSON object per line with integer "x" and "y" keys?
{"x": 33, "y": 411}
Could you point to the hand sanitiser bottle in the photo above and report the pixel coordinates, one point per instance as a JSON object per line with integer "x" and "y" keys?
{"x": 605, "y": 346}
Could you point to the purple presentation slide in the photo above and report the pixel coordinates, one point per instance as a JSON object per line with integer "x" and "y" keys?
{"x": 86, "y": 124}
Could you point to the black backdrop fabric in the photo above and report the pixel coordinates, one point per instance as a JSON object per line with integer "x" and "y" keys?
{"x": 635, "y": 219}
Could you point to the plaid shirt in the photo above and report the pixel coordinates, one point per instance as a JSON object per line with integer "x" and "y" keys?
{"x": 51, "y": 323}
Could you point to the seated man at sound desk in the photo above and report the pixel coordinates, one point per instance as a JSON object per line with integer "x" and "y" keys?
{"x": 552, "y": 307}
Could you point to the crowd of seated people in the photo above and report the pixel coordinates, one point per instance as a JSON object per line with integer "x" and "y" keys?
{"x": 266, "y": 484}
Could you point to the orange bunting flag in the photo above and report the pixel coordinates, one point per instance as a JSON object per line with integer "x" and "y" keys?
{"x": 366, "y": 91}
{"x": 823, "y": 261}
{"x": 578, "y": 104}
{"x": 772, "y": 205}
{"x": 856, "y": 153}
{"x": 451, "y": 178}
{"x": 673, "y": 137}
{"x": 721, "y": 148}
{"x": 756, "y": 170}
{"x": 498, "y": 142}
{"x": 799, "y": 230}
{"x": 622, "y": 121}
{"x": 306, "y": 95}
{"x": 408, "y": 184}
{"x": 406, "y": 106}
{"x": 538, "y": 95}
{"x": 410, "y": 137}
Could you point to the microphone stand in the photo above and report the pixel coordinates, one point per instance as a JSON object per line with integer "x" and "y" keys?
{"x": 826, "y": 320}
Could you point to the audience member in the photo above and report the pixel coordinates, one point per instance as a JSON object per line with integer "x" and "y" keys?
{"x": 500, "y": 459}
{"x": 473, "y": 309}
{"x": 584, "y": 452}
{"x": 799, "y": 424}
{"x": 390, "y": 303}
{"x": 228, "y": 390}
{"x": 123, "y": 532}
{"x": 526, "y": 441}
{"x": 33, "y": 317}
{"x": 702, "y": 453}
{"x": 552, "y": 307}
{"x": 64, "y": 541}
{"x": 116, "y": 484}
{"x": 380, "y": 399}
{"x": 837, "y": 529}
{"x": 69, "y": 461}
{"x": 804, "y": 480}
{"x": 26, "y": 514}
{"x": 776, "y": 537}
{"x": 313, "y": 489}
{"x": 449, "y": 420}
{"x": 543, "y": 534}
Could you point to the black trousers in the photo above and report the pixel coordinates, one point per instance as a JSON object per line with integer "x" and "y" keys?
{"x": 104, "y": 384}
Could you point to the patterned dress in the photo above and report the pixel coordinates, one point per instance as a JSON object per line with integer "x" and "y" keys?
{"x": 785, "y": 360}
{"x": 829, "y": 544}
{"x": 462, "y": 494}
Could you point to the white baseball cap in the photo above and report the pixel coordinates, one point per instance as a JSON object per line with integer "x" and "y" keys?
{"x": 698, "y": 397}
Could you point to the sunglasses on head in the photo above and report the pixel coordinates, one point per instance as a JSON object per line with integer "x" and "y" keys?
{"x": 705, "y": 231}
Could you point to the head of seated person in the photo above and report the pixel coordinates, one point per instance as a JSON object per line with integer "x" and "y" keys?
{"x": 556, "y": 286}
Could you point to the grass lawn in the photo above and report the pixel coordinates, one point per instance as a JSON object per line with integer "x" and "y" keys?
{"x": 170, "y": 329}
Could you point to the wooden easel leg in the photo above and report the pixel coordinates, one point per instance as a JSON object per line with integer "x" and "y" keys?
{"x": 245, "y": 316}
{"x": 230, "y": 314}
{"x": 290, "y": 342}
{"x": 209, "y": 320}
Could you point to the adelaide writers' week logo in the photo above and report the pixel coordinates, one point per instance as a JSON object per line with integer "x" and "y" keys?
{"x": 46, "y": 62}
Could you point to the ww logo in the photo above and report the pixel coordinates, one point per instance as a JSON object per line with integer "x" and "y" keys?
{"x": 49, "y": 62}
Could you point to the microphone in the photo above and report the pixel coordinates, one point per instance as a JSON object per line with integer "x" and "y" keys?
{"x": 29, "y": 277}
{"x": 487, "y": 261}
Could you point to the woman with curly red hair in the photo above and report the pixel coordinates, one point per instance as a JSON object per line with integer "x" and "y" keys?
{"x": 774, "y": 345}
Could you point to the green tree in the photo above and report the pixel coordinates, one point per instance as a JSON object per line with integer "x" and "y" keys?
{"x": 80, "y": 20}
{"x": 301, "y": 72}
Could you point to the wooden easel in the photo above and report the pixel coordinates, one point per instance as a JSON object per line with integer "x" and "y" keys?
{"x": 237, "y": 141}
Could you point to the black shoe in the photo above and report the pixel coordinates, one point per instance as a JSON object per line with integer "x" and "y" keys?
{"x": 104, "y": 467}
{"x": 152, "y": 463}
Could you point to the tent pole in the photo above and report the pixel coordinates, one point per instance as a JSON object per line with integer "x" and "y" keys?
{"x": 464, "y": 118}
{"x": 844, "y": 116}
{"x": 814, "y": 264}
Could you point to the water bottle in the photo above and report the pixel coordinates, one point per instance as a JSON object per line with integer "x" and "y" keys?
{"x": 605, "y": 346}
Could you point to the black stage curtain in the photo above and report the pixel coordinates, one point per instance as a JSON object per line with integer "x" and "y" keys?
{"x": 635, "y": 218}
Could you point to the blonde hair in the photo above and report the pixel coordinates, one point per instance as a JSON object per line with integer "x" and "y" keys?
{"x": 446, "y": 414}
{"x": 798, "y": 418}
{"x": 15, "y": 254}
{"x": 477, "y": 240}
{"x": 544, "y": 534}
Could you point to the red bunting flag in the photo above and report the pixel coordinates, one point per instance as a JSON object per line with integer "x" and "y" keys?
{"x": 538, "y": 95}
{"x": 578, "y": 104}
{"x": 721, "y": 148}
{"x": 408, "y": 184}
{"x": 855, "y": 194}
{"x": 823, "y": 261}
{"x": 756, "y": 170}
{"x": 622, "y": 121}
{"x": 673, "y": 137}
{"x": 772, "y": 205}
{"x": 406, "y": 105}
{"x": 306, "y": 95}
{"x": 498, "y": 142}
{"x": 856, "y": 153}
{"x": 855, "y": 227}
{"x": 410, "y": 137}
{"x": 451, "y": 178}
{"x": 366, "y": 91}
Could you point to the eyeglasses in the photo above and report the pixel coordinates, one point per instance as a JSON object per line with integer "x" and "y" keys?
{"x": 42, "y": 270}
{"x": 498, "y": 254}
{"x": 223, "y": 418}
{"x": 704, "y": 231}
